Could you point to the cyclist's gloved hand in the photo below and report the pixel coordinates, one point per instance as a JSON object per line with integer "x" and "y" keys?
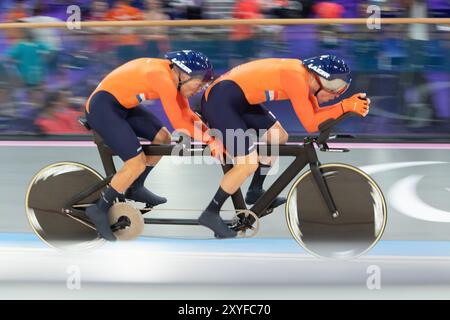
{"x": 358, "y": 103}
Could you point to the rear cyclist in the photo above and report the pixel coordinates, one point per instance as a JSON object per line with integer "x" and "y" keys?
{"x": 234, "y": 101}
{"x": 113, "y": 110}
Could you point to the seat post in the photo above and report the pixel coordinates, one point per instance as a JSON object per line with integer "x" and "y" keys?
{"x": 106, "y": 155}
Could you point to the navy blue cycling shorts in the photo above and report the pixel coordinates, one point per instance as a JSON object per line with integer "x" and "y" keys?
{"x": 120, "y": 127}
{"x": 228, "y": 108}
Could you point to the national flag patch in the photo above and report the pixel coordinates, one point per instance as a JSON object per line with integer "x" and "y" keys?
{"x": 140, "y": 97}
{"x": 271, "y": 95}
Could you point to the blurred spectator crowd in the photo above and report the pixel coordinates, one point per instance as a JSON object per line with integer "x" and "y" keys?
{"x": 47, "y": 74}
{"x": 211, "y": 9}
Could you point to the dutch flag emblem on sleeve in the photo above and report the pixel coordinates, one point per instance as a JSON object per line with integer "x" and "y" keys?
{"x": 271, "y": 95}
{"x": 140, "y": 97}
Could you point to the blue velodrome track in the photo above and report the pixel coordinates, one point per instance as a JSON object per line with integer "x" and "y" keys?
{"x": 257, "y": 268}
{"x": 411, "y": 261}
{"x": 384, "y": 248}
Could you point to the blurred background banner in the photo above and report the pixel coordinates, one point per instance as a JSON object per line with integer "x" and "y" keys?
{"x": 47, "y": 74}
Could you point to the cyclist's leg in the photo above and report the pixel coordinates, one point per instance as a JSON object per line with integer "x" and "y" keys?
{"x": 271, "y": 132}
{"x": 244, "y": 167}
{"x": 276, "y": 134}
{"x": 108, "y": 118}
{"x": 222, "y": 112}
{"x": 231, "y": 182}
{"x": 146, "y": 125}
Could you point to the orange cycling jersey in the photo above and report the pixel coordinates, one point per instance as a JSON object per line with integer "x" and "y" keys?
{"x": 281, "y": 79}
{"x": 149, "y": 79}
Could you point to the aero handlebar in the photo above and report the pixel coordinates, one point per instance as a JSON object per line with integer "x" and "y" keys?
{"x": 328, "y": 125}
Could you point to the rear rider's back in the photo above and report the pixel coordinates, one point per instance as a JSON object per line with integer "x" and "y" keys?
{"x": 130, "y": 81}
{"x": 260, "y": 80}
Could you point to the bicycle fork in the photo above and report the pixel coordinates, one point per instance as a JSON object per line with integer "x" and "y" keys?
{"x": 314, "y": 165}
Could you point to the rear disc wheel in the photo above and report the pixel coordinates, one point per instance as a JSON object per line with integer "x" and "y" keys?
{"x": 48, "y": 193}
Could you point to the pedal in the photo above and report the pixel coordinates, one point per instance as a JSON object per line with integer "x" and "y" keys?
{"x": 146, "y": 210}
{"x": 121, "y": 224}
{"x": 246, "y": 223}
{"x": 143, "y": 208}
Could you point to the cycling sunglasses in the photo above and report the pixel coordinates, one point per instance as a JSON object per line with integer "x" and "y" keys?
{"x": 339, "y": 91}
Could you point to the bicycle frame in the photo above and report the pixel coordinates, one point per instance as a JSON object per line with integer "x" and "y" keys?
{"x": 304, "y": 154}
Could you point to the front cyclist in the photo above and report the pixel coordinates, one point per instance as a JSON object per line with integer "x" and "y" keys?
{"x": 234, "y": 101}
{"x": 113, "y": 110}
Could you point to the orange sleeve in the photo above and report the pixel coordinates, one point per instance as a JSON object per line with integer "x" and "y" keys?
{"x": 176, "y": 106}
{"x": 308, "y": 112}
{"x": 186, "y": 109}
